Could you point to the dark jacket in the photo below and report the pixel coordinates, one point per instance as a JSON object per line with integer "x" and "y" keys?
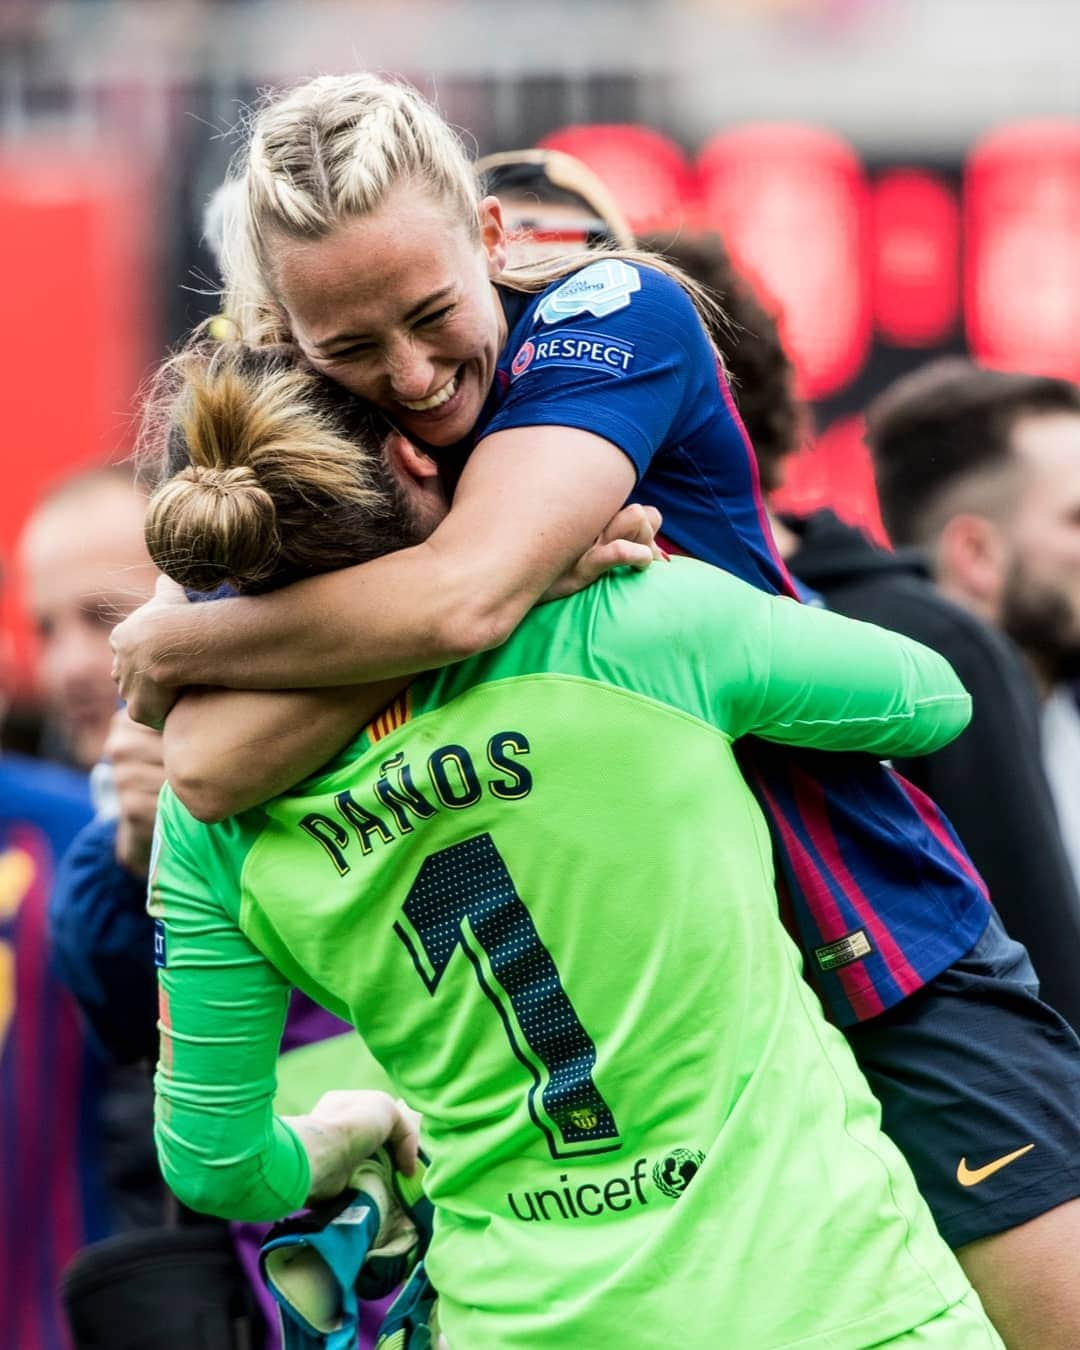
{"x": 990, "y": 781}
{"x": 103, "y": 941}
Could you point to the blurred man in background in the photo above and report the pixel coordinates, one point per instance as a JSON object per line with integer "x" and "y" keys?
{"x": 980, "y": 471}
{"x": 85, "y": 567}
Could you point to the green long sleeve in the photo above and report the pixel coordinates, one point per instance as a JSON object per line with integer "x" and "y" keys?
{"x": 820, "y": 680}
{"x": 541, "y": 888}
{"x": 222, "y": 1008}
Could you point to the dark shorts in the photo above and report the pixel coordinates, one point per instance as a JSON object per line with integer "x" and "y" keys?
{"x": 979, "y": 1084}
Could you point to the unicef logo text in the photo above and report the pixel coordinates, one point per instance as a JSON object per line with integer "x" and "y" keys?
{"x": 588, "y": 1194}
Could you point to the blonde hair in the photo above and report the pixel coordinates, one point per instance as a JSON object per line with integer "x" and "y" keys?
{"x": 332, "y": 149}
{"x": 323, "y": 152}
{"x": 270, "y": 472}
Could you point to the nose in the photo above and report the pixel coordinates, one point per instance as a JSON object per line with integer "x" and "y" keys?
{"x": 411, "y": 371}
{"x": 77, "y": 660}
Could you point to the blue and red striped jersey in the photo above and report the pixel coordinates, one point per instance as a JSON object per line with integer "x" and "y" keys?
{"x": 52, "y": 1187}
{"x": 873, "y": 880}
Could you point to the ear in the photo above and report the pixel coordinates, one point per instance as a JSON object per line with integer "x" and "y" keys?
{"x": 493, "y": 235}
{"x": 408, "y": 461}
{"x": 972, "y": 562}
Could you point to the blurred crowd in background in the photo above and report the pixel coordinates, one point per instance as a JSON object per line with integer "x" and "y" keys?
{"x": 884, "y": 195}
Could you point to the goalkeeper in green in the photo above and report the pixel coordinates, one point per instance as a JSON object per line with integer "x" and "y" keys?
{"x": 539, "y": 888}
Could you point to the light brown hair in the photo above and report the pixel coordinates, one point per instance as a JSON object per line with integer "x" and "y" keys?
{"x": 331, "y": 149}
{"x": 267, "y": 471}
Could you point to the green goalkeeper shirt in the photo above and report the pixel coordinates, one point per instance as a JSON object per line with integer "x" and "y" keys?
{"x": 540, "y": 889}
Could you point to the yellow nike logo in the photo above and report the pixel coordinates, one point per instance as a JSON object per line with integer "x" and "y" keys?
{"x": 971, "y": 1176}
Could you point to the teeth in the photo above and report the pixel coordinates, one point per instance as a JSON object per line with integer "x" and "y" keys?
{"x": 436, "y": 400}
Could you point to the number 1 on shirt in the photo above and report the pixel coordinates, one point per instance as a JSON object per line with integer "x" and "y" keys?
{"x": 465, "y": 896}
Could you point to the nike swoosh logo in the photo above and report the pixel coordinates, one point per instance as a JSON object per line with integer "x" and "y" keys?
{"x": 971, "y": 1176}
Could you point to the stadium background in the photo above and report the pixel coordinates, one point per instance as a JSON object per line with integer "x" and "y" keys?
{"x": 901, "y": 176}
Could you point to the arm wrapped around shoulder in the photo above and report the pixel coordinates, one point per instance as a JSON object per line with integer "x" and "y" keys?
{"x": 837, "y": 684}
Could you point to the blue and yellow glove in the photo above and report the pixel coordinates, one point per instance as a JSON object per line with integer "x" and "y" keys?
{"x": 361, "y": 1245}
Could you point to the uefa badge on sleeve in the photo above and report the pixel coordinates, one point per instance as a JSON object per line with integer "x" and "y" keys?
{"x": 600, "y": 289}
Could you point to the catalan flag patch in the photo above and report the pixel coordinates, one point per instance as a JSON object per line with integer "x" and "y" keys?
{"x": 396, "y": 713}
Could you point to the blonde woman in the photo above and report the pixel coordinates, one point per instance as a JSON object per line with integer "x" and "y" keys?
{"x": 559, "y": 393}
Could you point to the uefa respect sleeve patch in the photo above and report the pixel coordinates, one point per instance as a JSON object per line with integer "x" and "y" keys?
{"x": 599, "y": 289}
{"x": 571, "y": 347}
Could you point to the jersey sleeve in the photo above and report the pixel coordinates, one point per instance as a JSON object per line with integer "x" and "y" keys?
{"x": 746, "y": 662}
{"x": 617, "y": 350}
{"x": 222, "y": 1009}
{"x": 812, "y": 678}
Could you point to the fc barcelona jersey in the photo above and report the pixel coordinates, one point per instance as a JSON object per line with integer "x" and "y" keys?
{"x": 874, "y": 880}
{"x": 52, "y": 1187}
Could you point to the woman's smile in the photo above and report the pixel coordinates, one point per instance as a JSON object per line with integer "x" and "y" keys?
{"x": 397, "y": 306}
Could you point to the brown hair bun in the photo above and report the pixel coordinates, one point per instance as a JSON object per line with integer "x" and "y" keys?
{"x": 214, "y": 525}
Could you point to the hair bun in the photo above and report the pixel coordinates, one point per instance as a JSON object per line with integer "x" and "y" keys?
{"x": 224, "y": 480}
{"x": 209, "y": 525}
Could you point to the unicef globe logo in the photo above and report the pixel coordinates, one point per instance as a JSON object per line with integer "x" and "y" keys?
{"x": 676, "y": 1170}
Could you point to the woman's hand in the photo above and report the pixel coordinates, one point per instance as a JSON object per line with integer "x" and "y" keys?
{"x": 344, "y": 1128}
{"x": 137, "y": 644}
{"x": 628, "y": 540}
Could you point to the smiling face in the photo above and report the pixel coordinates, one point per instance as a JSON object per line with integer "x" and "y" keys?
{"x": 398, "y": 307}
